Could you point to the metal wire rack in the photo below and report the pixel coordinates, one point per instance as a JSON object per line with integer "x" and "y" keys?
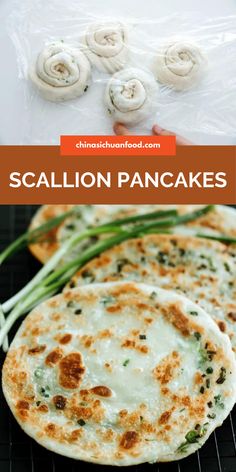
{"x": 18, "y": 453}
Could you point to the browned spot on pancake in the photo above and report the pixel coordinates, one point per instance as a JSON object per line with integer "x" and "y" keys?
{"x": 186, "y": 400}
{"x": 56, "y": 316}
{"x": 84, "y": 393}
{"x": 59, "y": 402}
{"x": 53, "y": 303}
{"x": 173, "y": 312}
{"x": 75, "y": 435}
{"x": 93, "y": 410}
{"x": 232, "y": 315}
{"x": 113, "y": 308}
{"x": 128, "y": 343}
{"x": 42, "y": 409}
{"x": 17, "y": 379}
{"x": 22, "y": 407}
{"x": 37, "y": 350}
{"x": 102, "y": 261}
{"x": 222, "y": 326}
{"x": 71, "y": 371}
{"x": 143, "y": 306}
{"x": 53, "y": 357}
{"x": 165, "y": 371}
{"x": 118, "y": 455}
{"x": 214, "y": 220}
{"x": 148, "y": 320}
{"x": 123, "y": 413}
{"x": 108, "y": 366}
{"x": 102, "y": 391}
{"x": 129, "y": 440}
{"x": 133, "y": 420}
{"x": 106, "y": 436}
{"x": 135, "y": 332}
{"x": 22, "y": 376}
{"x": 51, "y": 430}
{"x": 106, "y": 333}
{"x": 148, "y": 427}
{"x": 35, "y": 332}
{"x": 165, "y": 391}
{"x": 87, "y": 340}
{"x": 65, "y": 339}
{"x": 196, "y": 406}
{"x": 165, "y": 270}
{"x": 142, "y": 349}
{"x": 198, "y": 378}
{"x": 132, "y": 344}
{"x": 127, "y": 289}
{"x": 164, "y": 418}
{"x": 82, "y": 412}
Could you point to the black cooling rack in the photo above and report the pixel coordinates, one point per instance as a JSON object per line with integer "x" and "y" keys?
{"x": 18, "y": 453}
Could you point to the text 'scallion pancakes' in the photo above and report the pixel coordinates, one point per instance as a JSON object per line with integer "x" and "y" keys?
{"x": 221, "y": 220}
{"x": 131, "y": 95}
{"x": 203, "y": 270}
{"x": 106, "y": 46}
{"x": 120, "y": 374}
{"x": 180, "y": 64}
{"x": 61, "y": 72}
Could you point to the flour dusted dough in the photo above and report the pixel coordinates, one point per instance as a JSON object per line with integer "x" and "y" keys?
{"x": 62, "y": 72}
{"x": 106, "y": 46}
{"x": 179, "y": 64}
{"x": 131, "y": 95}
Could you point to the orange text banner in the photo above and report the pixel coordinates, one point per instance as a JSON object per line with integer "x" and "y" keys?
{"x": 39, "y": 174}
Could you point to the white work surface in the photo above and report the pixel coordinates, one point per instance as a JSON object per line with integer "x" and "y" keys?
{"x": 27, "y": 119}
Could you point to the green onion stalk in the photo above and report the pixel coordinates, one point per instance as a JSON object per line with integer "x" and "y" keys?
{"x": 64, "y": 250}
{"x": 2, "y": 322}
{"x": 51, "y": 277}
{"x": 32, "y": 236}
{"x": 47, "y": 282}
{"x": 75, "y": 239}
{"x": 217, "y": 237}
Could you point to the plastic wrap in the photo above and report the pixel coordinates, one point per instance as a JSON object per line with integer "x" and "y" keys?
{"x": 206, "y": 108}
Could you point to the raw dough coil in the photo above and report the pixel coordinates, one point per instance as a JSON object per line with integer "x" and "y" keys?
{"x": 62, "y": 72}
{"x": 106, "y": 46}
{"x": 131, "y": 96}
{"x": 180, "y": 64}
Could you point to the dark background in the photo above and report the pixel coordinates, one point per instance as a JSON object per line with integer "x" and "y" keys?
{"x": 18, "y": 453}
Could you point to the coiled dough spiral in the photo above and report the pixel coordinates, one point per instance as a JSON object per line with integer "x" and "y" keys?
{"x": 179, "y": 64}
{"x": 106, "y": 46}
{"x": 131, "y": 95}
{"x": 61, "y": 72}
